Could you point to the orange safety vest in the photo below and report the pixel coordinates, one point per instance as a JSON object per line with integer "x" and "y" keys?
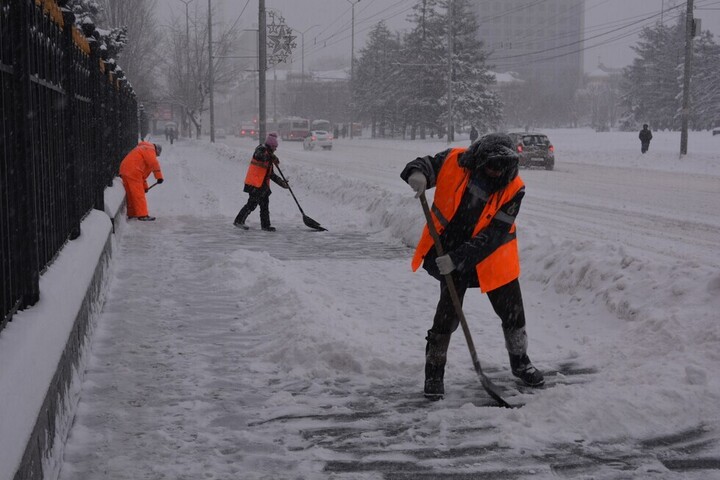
{"x": 500, "y": 267}
{"x": 258, "y": 173}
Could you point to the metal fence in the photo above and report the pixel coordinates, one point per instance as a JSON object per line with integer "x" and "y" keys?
{"x": 67, "y": 118}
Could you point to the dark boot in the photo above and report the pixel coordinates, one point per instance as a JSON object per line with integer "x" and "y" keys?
{"x": 241, "y": 217}
{"x": 523, "y": 369}
{"x": 520, "y": 364}
{"x": 435, "y": 359}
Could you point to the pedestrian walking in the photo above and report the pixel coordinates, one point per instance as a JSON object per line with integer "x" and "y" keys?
{"x": 645, "y": 137}
{"x": 473, "y": 134}
{"x": 257, "y": 183}
{"x": 135, "y": 168}
{"x": 478, "y": 193}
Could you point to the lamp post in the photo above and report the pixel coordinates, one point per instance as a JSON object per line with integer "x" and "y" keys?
{"x": 302, "y": 62}
{"x": 352, "y": 64}
{"x": 187, "y": 56}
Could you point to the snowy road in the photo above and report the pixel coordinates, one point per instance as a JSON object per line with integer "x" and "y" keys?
{"x": 225, "y": 354}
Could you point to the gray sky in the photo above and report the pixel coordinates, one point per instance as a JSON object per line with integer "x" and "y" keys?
{"x": 327, "y": 23}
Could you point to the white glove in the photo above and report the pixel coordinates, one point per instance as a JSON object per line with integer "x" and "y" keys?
{"x": 417, "y": 182}
{"x": 445, "y": 264}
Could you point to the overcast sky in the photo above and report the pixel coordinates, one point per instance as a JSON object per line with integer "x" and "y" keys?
{"x": 327, "y": 23}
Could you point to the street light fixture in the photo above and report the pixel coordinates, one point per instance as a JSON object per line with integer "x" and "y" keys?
{"x": 352, "y": 63}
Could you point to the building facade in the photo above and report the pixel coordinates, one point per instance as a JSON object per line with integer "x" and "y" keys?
{"x": 542, "y": 41}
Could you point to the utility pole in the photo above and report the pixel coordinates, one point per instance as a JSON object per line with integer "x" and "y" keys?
{"x": 262, "y": 64}
{"x": 689, "y": 31}
{"x": 352, "y": 66}
{"x": 187, "y": 54}
{"x": 210, "y": 75}
{"x": 450, "y": 132}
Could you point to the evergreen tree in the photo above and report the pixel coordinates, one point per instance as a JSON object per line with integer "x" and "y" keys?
{"x": 377, "y": 93}
{"x": 473, "y": 101}
{"x": 652, "y": 86}
{"x": 705, "y": 89}
{"x": 424, "y": 73}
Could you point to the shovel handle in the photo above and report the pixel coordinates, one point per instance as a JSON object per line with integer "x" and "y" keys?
{"x": 487, "y": 384}
{"x": 291, "y": 192}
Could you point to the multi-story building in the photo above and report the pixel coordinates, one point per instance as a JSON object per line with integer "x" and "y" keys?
{"x": 540, "y": 40}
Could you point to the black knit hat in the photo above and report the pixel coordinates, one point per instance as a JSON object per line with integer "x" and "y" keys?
{"x": 492, "y": 150}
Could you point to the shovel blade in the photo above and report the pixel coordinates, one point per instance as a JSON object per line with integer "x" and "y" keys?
{"x": 313, "y": 224}
{"x": 494, "y": 391}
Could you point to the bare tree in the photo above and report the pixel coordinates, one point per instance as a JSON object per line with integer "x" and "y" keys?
{"x": 188, "y": 84}
{"x": 140, "y": 57}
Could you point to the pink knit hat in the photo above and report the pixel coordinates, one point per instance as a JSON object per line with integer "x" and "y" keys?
{"x": 272, "y": 141}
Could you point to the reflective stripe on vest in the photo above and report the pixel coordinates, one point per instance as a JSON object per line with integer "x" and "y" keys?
{"x": 503, "y": 265}
{"x": 257, "y": 173}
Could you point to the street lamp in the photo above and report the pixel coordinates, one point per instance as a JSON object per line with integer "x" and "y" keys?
{"x": 352, "y": 63}
{"x": 302, "y": 78}
{"x": 187, "y": 52}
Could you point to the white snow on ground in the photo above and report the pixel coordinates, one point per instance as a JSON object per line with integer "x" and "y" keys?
{"x": 228, "y": 354}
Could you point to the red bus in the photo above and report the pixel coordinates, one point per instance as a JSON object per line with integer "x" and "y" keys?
{"x": 293, "y": 128}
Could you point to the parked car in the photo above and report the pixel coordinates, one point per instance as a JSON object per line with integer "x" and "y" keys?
{"x": 220, "y": 133}
{"x": 318, "y": 138}
{"x": 535, "y": 149}
{"x": 248, "y": 130}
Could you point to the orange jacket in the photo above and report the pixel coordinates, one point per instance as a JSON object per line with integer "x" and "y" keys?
{"x": 500, "y": 267}
{"x": 140, "y": 163}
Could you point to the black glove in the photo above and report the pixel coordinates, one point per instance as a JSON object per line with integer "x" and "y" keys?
{"x": 160, "y": 180}
{"x": 284, "y": 184}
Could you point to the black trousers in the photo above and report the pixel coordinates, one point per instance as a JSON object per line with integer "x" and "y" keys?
{"x": 264, "y": 202}
{"x": 506, "y": 301}
{"x": 644, "y": 146}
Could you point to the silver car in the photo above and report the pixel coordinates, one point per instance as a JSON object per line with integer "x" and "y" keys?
{"x": 318, "y": 138}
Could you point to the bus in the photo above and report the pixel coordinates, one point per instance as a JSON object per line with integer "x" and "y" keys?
{"x": 294, "y": 128}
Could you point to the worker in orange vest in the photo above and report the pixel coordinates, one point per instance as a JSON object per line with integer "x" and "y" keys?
{"x": 257, "y": 183}
{"x": 135, "y": 168}
{"x": 477, "y": 196}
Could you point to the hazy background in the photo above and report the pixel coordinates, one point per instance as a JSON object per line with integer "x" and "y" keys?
{"x": 331, "y": 38}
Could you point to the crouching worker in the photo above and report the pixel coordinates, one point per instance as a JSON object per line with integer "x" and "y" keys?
{"x": 135, "y": 168}
{"x": 257, "y": 183}
{"x": 477, "y": 196}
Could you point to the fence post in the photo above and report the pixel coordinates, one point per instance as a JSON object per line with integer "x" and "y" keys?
{"x": 24, "y": 218}
{"x": 98, "y": 152}
{"x": 68, "y": 84}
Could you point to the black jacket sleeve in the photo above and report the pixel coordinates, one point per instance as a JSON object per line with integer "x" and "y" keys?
{"x": 277, "y": 179}
{"x": 490, "y": 238}
{"x": 429, "y": 166}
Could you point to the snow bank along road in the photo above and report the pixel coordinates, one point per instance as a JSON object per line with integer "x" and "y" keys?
{"x": 226, "y": 354}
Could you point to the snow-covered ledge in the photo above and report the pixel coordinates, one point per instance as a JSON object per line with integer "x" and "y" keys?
{"x": 42, "y": 350}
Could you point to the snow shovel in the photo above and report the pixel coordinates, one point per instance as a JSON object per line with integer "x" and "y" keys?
{"x": 308, "y": 221}
{"x": 489, "y": 387}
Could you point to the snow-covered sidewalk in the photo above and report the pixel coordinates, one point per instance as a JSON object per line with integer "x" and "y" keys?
{"x": 225, "y": 354}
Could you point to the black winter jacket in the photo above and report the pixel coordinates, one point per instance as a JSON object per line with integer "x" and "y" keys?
{"x": 465, "y": 250}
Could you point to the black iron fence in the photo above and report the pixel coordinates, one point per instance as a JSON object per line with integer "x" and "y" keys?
{"x": 67, "y": 118}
